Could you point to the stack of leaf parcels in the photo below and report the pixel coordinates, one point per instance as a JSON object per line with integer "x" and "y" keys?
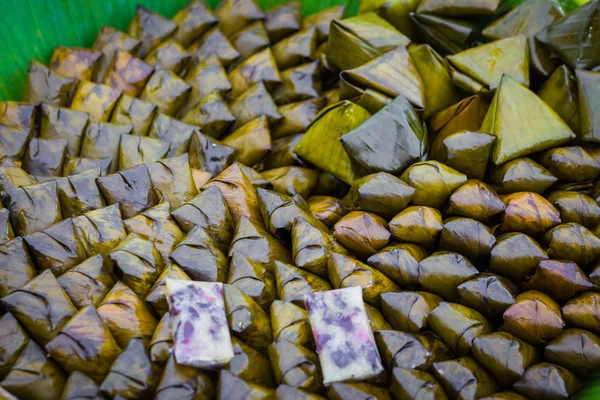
{"x": 440, "y": 154}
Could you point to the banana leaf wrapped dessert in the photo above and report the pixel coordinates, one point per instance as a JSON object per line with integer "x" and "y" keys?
{"x": 128, "y": 73}
{"x": 215, "y": 42}
{"x": 297, "y": 117}
{"x": 253, "y": 103}
{"x": 292, "y": 180}
{"x": 183, "y": 382}
{"x": 571, "y": 164}
{"x": 250, "y": 40}
{"x": 96, "y": 99}
{"x": 476, "y": 200}
{"x": 467, "y": 114}
{"x": 442, "y": 272}
{"x": 126, "y": 316}
{"x": 446, "y": 34}
{"x": 322, "y": 20}
{"x": 103, "y": 140}
{"x": 534, "y": 317}
{"x": 345, "y": 272}
{"x": 151, "y": 28}
{"x": 412, "y": 384}
{"x": 157, "y": 295}
{"x": 488, "y": 293}
{"x": 231, "y": 387}
{"x": 87, "y": 332}
{"x": 253, "y": 279}
{"x": 172, "y": 180}
{"x": 581, "y": 311}
{"x": 135, "y": 150}
{"x": 20, "y": 115}
{"x": 362, "y": 233}
{"x": 75, "y": 62}
{"x": 326, "y": 209}
{"x": 108, "y": 41}
{"x": 521, "y": 175}
{"x": 417, "y": 224}
{"x": 88, "y": 283}
{"x": 45, "y": 156}
{"x": 464, "y": 378}
{"x": 12, "y": 343}
{"x": 283, "y": 20}
{"x": 132, "y": 375}
{"x": 401, "y": 139}
{"x": 63, "y": 123}
{"x": 79, "y": 193}
{"x": 137, "y": 263}
{"x": 246, "y": 319}
{"x": 6, "y": 231}
{"x": 193, "y": 20}
{"x": 130, "y": 189}
{"x": 299, "y": 84}
{"x": 45, "y": 85}
{"x": 253, "y": 141}
{"x": 166, "y": 90}
{"x": 32, "y": 208}
{"x": 561, "y": 280}
{"x": 296, "y": 49}
{"x": 57, "y": 248}
{"x": 42, "y": 319}
{"x": 560, "y": 92}
{"x": 458, "y": 326}
{"x": 290, "y": 322}
{"x": 212, "y": 114}
{"x": 77, "y": 165}
{"x": 295, "y": 366}
{"x": 574, "y": 242}
{"x": 559, "y": 383}
{"x": 504, "y": 355}
{"x": 14, "y": 176}
{"x": 529, "y": 213}
{"x": 328, "y": 184}
{"x": 576, "y": 350}
{"x": 100, "y": 230}
{"x": 293, "y": 284}
{"x": 169, "y": 55}
{"x": 34, "y": 376}
{"x": 407, "y": 350}
{"x": 176, "y": 133}
{"x": 576, "y": 207}
{"x": 588, "y": 103}
{"x": 434, "y": 182}
{"x": 468, "y": 237}
{"x": 206, "y": 77}
{"x": 161, "y": 345}
{"x": 235, "y": 15}
{"x": 250, "y": 365}
{"x": 80, "y": 386}
{"x": 408, "y": 311}
{"x": 210, "y": 155}
{"x": 260, "y": 67}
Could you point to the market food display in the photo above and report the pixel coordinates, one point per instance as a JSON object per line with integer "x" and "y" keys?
{"x": 242, "y": 203}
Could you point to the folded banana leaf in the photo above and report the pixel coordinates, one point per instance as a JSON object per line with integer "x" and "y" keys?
{"x": 43, "y": 318}
{"x": 516, "y": 256}
{"x": 183, "y": 382}
{"x": 12, "y": 343}
{"x": 253, "y": 141}
{"x": 297, "y": 117}
{"x": 250, "y": 365}
{"x": 235, "y": 15}
{"x": 329, "y": 185}
{"x": 534, "y": 317}
{"x": 108, "y": 41}
{"x": 412, "y": 384}
{"x": 213, "y": 41}
{"x": 290, "y": 322}
{"x": 395, "y": 12}
{"x": 170, "y": 55}
{"x": 443, "y": 271}
{"x": 576, "y": 207}
{"x": 57, "y": 248}
{"x": 296, "y": 49}
{"x": 206, "y": 77}
{"x": 246, "y": 319}
{"x": 157, "y": 225}
{"x": 86, "y": 332}
{"x": 96, "y": 99}
{"x": 575, "y": 349}
{"x": 32, "y": 208}
{"x": 132, "y": 375}
{"x": 293, "y": 284}
{"x": 126, "y": 316}
{"x": 417, "y": 224}
{"x": 342, "y": 391}
{"x": 78, "y": 165}
{"x": 100, "y": 230}
{"x": 63, "y": 123}
{"x": 295, "y": 365}
{"x": 79, "y": 386}
{"x": 175, "y": 132}
{"x": 166, "y": 90}
{"x": 464, "y": 378}
{"x": 581, "y": 312}
{"x": 103, "y": 140}
{"x": 260, "y": 67}
{"x": 135, "y": 150}
{"x": 589, "y": 100}
{"x": 468, "y": 237}
{"x": 283, "y": 20}
{"x": 570, "y": 164}
{"x": 446, "y": 34}
{"x": 287, "y": 392}
{"x": 549, "y": 381}
{"x": 128, "y": 73}
{"x": 408, "y": 311}
{"x": 560, "y": 92}
{"x": 44, "y": 85}
{"x": 529, "y": 213}
{"x": 253, "y": 241}
{"x": 34, "y": 376}
{"x": 14, "y": 177}
{"x": 233, "y": 388}
{"x": 292, "y": 180}
{"x": 161, "y": 346}
{"x": 299, "y": 84}
{"x": 407, "y": 350}
{"x": 253, "y": 103}
{"x": 250, "y": 40}
{"x": 322, "y": 20}
{"x": 362, "y": 233}
{"x": 477, "y": 200}
{"x": 193, "y": 20}
{"x": 157, "y": 295}
{"x": 45, "y": 157}
{"x": 6, "y": 231}
{"x": 577, "y": 51}
{"x": 357, "y": 40}
{"x": 75, "y": 62}
{"x": 521, "y": 175}
{"x": 517, "y": 134}
{"x": 212, "y": 114}
{"x": 326, "y": 209}
{"x": 345, "y": 271}
{"x": 18, "y": 114}
{"x": 466, "y": 151}
{"x": 572, "y": 241}
{"x": 489, "y": 294}
{"x": 151, "y": 28}
{"x": 467, "y": 8}
{"x": 401, "y": 139}
{"x": 172, "y": 180}
{"x": 200, "y": 258}
{"x": 433, "y": 182}
{"x": 468, "y": 114}
{"x": 253, "y": 279}
{"x": 87, "y": 283}
{"x": 561, "y": 280}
